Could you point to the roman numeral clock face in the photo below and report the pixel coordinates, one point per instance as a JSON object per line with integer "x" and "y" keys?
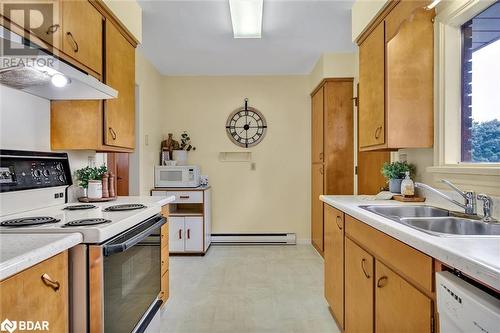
{"x": 246, "y": 127}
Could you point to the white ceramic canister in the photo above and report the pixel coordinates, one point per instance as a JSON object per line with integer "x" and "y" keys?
{"x": 180, "y": 156}
{"x": 94, "y": 190}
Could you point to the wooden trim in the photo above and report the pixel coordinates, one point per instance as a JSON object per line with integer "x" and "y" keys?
{"x": 96, "y": 291}
{"x": 330, "y": 79}
{"x": 376, "y": 20}
{"x": 318, "y": 249}
{"x": 109, "y": 15}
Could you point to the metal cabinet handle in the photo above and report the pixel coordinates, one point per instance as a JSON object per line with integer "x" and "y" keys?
{"x": 188, "y": 234}
{"x": 382, "y": 282}
{"x": 75, "y": 44}
{"x": 377, "y": 132}
{"x": 184, "y": 196}
{"x": 180, "y": 234}
{"x": 363, "y": 261}
{"x": 50, "y": 282}
{"x": 113, "y": 133}
{"x": 338, "y": 220}
{"x": 52, "y": 29}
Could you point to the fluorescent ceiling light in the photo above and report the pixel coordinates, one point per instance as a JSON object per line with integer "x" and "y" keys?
{"x": 246, "y": 16}
{"x": 433, "y": 4}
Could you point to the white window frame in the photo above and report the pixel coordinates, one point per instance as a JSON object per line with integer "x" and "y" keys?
{"x": 451, "y": 15}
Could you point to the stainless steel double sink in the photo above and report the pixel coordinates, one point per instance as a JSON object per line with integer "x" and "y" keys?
{"x": 437, "y": 221}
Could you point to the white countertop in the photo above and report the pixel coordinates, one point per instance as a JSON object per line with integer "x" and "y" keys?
{"x": 21, "y": 251}
{"x": 478, "y": 257}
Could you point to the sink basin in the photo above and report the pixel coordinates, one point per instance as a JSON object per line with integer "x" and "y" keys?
{"x": 407, "y": 211}
{"x": 453, "y": 226}
{"x": 436, "y": 221}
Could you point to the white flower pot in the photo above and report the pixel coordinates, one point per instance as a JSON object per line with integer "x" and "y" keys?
{"x": 95, "y": 189}
{"x": 180, "y": 156}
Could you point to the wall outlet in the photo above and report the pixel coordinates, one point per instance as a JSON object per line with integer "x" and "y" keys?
{"x": 252, "y": 166}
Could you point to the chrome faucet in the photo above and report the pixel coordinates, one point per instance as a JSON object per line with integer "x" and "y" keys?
{"x": 487, "y": 207}
{"x": 469, "y": 196}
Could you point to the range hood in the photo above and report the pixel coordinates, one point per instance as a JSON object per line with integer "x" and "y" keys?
{"x": 25, "y": 66}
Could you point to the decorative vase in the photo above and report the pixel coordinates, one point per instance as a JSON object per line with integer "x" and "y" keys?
{"x": 180, "y": 156}
{"x": 395, "y": 185}
{"x": 94, "y": 190}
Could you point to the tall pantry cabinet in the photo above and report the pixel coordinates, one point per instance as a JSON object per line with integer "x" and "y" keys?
{"x": 332, "y": 150}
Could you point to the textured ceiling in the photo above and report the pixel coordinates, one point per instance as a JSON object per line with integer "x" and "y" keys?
{"x": 196, "y": 38}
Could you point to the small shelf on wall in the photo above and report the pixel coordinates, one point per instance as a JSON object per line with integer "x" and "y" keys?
{"x": 235, "y": 156}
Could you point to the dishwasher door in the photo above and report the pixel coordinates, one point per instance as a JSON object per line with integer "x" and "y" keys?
{"x": 463, "y": 307}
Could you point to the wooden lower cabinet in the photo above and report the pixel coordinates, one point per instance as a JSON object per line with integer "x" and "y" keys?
{"x": 334, "y": 262}
{"x": 39, "y": 293}
{"x": 399, "y": 307}
{"x": 165, "y": 291}
{"x": 359, "y": 278}
{"x": 373, "y": 282}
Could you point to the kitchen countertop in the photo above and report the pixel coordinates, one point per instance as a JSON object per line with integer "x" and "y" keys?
{"x": 477, "y": 257}
{"x": 21, "y": 251}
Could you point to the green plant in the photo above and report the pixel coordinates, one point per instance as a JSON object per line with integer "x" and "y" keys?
{"x": 186, "y": 142}
{"x": 89, "y": 173}
{"x": 396, "y": 170}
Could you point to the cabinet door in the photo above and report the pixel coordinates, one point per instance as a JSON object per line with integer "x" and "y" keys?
{"x": 176, "y": 234}
{"x": 44, "y": 18}
{"x": 358, "y": 288}
{"x": 317, "y": 127}
{"x": 39, "y": 293}
{"x": 399, "y": 307}
{"x": 193, "y": 234}
{"x": 317, "y": 207}
{"x": 334, "y": 262}
{"x": 82, "y": 33}
{"x": 119, "y": 113}
{"x": 372, "y": 88}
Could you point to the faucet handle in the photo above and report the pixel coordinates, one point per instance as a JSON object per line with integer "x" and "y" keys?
{"x": 487, "y": 207}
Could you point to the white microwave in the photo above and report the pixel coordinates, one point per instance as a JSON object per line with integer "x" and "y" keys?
{"x": 177, "y": 176}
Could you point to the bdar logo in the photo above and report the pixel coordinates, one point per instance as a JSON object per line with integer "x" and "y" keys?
{"x": 9, "y": 326}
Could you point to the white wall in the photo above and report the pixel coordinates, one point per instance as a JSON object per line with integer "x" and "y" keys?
{"x": 25, "y": 125}
{"x": 276, "y": 196}
{"x": 129, "y": 13}
{"x": 363, "y": 11}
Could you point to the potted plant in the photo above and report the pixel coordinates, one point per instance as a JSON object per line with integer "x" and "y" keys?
{"x": 395, "y": 172}
{"x": 87, "y": 174}
{"x": 179, "y": 152}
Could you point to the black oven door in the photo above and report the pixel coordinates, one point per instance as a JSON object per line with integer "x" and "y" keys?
{"x": 132, "y": 277}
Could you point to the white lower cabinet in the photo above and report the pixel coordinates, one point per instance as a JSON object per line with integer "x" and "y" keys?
{"x": 186, "y": 234}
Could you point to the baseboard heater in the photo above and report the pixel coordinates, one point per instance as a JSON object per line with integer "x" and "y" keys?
{"x": 254, "y": 239}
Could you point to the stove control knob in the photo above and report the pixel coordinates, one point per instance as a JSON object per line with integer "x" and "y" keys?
{"x": 46, "y": 172}
{"x": 61, "y": 178}
{"x": 59, "y": 167}
{"x": 37, "y": 173}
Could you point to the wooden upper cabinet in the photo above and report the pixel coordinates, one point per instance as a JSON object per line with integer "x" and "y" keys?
{"x": 372, "y": 89}
{"x": 399, "y": 307}
{"x": 410, "y": 75}
{"x": 39, "y": 293}
{"x": 44, "y": 19}
{"x": 119, "y": 113}
{"x": 334, "y": 262}
{"x": 317, "y": 101}
{"x": 82, "y": 33}
{"x": 317, "y": 207}
{"x": 359, "y": 271}
{"x": 396, "y": 86}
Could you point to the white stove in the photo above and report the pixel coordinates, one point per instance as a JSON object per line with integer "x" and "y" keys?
{"x": 116, "y": 221}
{"x": 121, "y": 240}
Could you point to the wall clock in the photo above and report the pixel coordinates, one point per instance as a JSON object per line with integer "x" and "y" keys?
{"x": 246, "y": 126}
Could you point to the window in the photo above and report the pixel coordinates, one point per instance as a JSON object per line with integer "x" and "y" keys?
{"x": 480, "y": 125}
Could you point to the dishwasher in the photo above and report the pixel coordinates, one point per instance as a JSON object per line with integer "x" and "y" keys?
{"x": 462, "y": 307}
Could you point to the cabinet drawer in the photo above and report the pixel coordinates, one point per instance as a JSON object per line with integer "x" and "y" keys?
{"x": 412, "y": 264}
{"x": 39, "y": 293}
{"x": 187, "y": 196}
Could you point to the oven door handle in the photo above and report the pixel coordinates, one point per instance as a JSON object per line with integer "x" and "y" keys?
{"x": 117, "y": 245}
